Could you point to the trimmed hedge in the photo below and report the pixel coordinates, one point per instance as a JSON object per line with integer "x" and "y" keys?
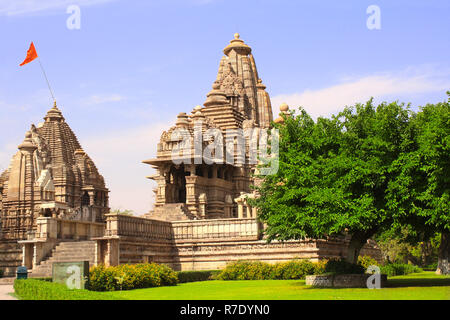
{"x": 257, "y": 270}
{"x": 33, "y": 289}
{"x": 431, "y": 267}
{"x": 399, "y": 269}
{"x": 127, "y": 277}
{"x": 391, "y": 269}
{"x": 193, "y": 276}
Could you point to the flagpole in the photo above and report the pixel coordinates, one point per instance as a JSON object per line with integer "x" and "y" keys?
{"x": 48, "y": 83}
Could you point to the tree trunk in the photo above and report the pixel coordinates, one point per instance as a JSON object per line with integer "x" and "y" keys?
{"x": 444, "y": 252}
{"x": 357, "y": 241}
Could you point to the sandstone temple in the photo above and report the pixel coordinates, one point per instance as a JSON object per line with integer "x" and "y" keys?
{"x": 238, "y": 100}
{"x": 54, "y": 202}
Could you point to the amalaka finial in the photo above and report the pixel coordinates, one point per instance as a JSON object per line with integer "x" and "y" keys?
{"x": 238, "y": 45}
{"x": 284, "y": 107}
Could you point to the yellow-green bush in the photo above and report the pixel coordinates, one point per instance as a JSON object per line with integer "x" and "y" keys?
{"x": 367, "y": 261}
{"x": 126, "y": 277}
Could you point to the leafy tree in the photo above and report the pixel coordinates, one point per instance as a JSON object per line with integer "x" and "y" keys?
{"x": 334, "y": 174}
{"x": 406, "y": 246}
{"x": 421, "y": 190}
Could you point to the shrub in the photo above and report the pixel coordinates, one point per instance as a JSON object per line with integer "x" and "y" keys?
{"x": 431, "y": 267}
{"x": 319, "y": 267}
{"x": 295, "y": 269}
{"x": 367, "y": 261}
{"x": 246, "y": 270}
{"x": 128, "y": 277}
{"x": 343, "y": 267}
{"x": 192, "y": 276}
{"x": 256, "y": 270}
{"x": 398, "y": 269}
{"x": 33, "y": 289}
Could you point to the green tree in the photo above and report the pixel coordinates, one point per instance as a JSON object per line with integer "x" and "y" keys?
{"x": 407, "y": 246}
{"x": 421, "y": 190}
{"x": 334, "y": 174}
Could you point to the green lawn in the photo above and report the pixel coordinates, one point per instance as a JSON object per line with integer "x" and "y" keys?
{"x": 419, "y": 286}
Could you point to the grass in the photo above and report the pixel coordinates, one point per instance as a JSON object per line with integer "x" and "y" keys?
{"x": 418, "y": 286}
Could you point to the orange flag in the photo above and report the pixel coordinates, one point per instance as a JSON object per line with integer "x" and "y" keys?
{"x": 31, "y": 55}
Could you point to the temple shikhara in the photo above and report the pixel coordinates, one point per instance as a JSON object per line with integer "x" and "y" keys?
{"x": 238, "y": 100}
{"x": 50, "y": 176}
{"x": 54, "y": 202}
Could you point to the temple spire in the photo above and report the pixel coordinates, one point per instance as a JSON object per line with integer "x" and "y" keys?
{"x": 54, "y": 114}
{"x": 238, "y": 45}
{"x": 239, "y": 83}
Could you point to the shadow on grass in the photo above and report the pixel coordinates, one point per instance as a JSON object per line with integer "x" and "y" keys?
{"x": 399, "y": 283}
{"x": 419, "y": 282}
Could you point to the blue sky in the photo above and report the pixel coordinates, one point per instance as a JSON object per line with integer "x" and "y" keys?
{"x": 134, "y": 65}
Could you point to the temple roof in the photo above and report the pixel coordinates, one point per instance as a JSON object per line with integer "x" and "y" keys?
{"x": 238, "y": 45}
{"x": 53, "y": 152}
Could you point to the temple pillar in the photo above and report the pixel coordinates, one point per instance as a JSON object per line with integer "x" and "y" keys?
{"x": 248, "y": 211}
{"x": 202, "y": 205}
{"x": 240, "y": 210}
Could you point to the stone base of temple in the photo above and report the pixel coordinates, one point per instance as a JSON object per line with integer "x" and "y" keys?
{"x": 208, "y": 244}
{"x": 204, "y": 244}
{"x": 10, "y": 257}
{"x": 212, "y": 254}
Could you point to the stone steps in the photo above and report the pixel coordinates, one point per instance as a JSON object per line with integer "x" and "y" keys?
{"x": 66, "y": 252}
{"x": 171, "y": 212}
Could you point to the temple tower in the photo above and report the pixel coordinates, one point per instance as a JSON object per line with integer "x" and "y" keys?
{"x": 198, "y": 190}
{"x": 50, "y": 175}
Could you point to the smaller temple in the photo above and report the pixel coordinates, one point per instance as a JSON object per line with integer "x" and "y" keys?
{"x": 49, "y": 176}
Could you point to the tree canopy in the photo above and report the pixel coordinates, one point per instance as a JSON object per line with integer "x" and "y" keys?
{"x": 366, "y": 170}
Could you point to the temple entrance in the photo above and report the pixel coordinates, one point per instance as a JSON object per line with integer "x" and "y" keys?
{"x": 85, "y": 199}
{"x": 182, "y": 190}
{"x": 177, "y": 185}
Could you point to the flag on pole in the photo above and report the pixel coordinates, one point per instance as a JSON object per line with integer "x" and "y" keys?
{"x": 31, "y": 55}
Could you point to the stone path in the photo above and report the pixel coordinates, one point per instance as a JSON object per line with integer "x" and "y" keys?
{"x": 5, "y": 289}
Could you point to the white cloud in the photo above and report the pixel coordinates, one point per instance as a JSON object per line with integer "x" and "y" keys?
{"x": 326, "y": 101}
{"x": 118, "y": 156}
{"x": 24, "y": 7}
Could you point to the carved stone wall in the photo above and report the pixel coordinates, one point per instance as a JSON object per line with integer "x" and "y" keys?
{"x": 210, "y": 244}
